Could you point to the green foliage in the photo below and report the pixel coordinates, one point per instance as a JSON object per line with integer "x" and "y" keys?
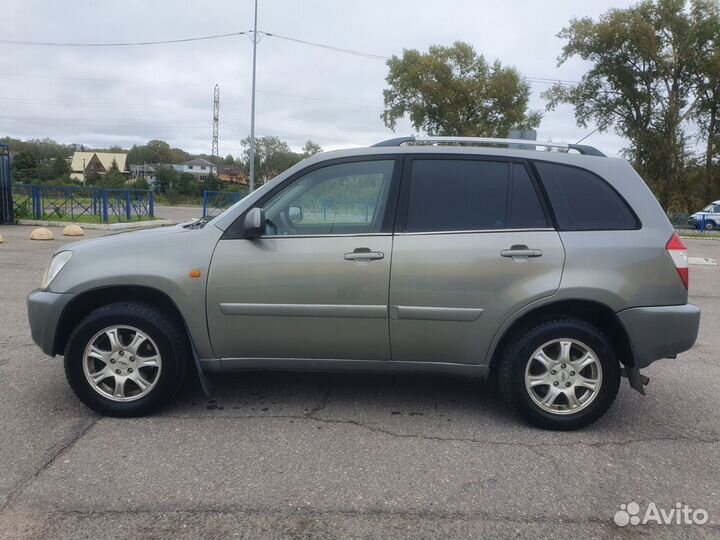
{"x": 24, "y": 166}
{"x": 156, "y": 151}
{"x": 112, "y": 179}
{"x": 648, "y": 63}
{"x": 272, "y": 156}
{"x": 141, "y": 183}
{"x": 211, "y": 183}
{"x": 165, "y": 178}
{"x": 311, "y": 148}
{"x": 454, "y": 91}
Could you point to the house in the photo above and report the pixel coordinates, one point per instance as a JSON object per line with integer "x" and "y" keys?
{"x": 84, "y": 163}
{"x": 198, "y": 167}
{"x": 231, "y": 174}
{"x": 143, "y": 172}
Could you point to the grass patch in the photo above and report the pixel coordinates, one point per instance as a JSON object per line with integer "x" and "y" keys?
{"x": 706, "y": 236}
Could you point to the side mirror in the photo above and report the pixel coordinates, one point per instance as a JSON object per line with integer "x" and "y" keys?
{"x": 295, "y": 214}
{"x": 254, "y": 224}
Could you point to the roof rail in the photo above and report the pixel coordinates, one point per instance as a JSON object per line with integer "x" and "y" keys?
{"x": 563, "y": 147}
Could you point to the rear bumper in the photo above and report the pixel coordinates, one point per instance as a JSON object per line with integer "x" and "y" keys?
{"x": 44, "y": 311}
{"x": 660, "y": 331}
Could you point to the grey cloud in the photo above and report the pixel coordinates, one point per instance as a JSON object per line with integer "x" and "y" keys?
{"x": 106, "y": 96}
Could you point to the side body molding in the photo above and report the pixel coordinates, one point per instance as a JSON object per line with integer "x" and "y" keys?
{"x": 425, "y": 313}
{"x": 305, "y": 310}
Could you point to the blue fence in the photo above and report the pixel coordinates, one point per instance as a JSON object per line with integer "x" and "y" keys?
{"x": 82, "y": 204}
{"x": 214, "y": 202}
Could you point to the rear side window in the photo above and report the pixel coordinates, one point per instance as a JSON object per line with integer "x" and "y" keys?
{"x": 469, "y": 195}
{"x": 583, "y": 201}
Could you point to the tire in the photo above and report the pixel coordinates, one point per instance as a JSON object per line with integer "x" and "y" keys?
{"x": 528, "y": 383}
{"x": 150, "y": 351}
{"x": 710, "y": 225}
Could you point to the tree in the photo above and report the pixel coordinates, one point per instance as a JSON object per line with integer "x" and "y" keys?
{"x": 165, "y": 178}
{"x": 60, "y": 168}
{"x": 642, "y": 82}
{"x": 212, "y": 183}
{"x": 311, "y": 148}
{"x": 706, "y": 21}
{"x": 454, "y": 91}
{"x": 272, "y": 156}
{"x": 25, "y": 166}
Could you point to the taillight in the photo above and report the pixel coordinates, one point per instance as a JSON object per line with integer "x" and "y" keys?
{"x": 678, "y": 251}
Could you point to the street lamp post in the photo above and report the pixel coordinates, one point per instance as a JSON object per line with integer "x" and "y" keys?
{"x": 252, "y": 106}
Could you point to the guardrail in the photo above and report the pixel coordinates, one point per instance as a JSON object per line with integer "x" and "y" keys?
{"x": 83, "y": 204}
{"x": 215, "y": 202}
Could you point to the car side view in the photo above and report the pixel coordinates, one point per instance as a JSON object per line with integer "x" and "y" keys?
{"x": 706, "y": 219}
{"x": 553, "y": 273}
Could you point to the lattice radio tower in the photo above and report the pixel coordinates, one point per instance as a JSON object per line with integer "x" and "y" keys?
{"x": 216, "y": 125}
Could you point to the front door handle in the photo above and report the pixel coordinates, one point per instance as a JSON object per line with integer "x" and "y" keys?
{"x": 520, "y": 251}
{"x": 364, "y": 255}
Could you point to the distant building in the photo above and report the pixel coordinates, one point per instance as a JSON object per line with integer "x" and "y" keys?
{"x": 84, "y": 163}
{"x": 198, "y": 167}
{"x": 143, "y": 172}
{"x": 231, "y": 174}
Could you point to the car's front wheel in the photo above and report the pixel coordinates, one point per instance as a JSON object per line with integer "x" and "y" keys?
{"x": 126, "y": 359}
{"x": 561, "y": 374}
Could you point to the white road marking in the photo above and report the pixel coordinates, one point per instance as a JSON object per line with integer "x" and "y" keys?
{"x": 702, "y": 261}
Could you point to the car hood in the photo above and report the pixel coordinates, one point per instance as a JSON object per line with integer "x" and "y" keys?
{"x": 120, "y": 239}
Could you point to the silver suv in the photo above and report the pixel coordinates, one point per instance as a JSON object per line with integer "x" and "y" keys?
{"x": 553, "y": 272}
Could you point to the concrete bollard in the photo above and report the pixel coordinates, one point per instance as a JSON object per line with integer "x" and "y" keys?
{"x": 73, "y": 230}
{"x": 1, "y": 239}
{"x": 41, "y": 233}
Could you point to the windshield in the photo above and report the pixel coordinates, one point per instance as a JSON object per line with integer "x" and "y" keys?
{"x": 708, "y": 208}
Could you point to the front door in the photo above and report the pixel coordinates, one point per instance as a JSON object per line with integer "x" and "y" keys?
{"x": 474, "y": 244}
{"x": 315, "y": 286}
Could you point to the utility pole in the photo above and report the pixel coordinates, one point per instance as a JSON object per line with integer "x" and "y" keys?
{"x": 252, "y": 107}
{"x": 216, "y": 127}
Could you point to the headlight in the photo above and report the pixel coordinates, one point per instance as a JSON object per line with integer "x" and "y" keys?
{"x": 53, "y": 269}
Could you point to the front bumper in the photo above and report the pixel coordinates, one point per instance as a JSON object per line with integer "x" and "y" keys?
{"x": 44, "y": 311}
{"x": 660, "y": 331}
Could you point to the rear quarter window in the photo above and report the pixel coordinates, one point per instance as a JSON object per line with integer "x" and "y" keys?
{"x": 582, "y": 201}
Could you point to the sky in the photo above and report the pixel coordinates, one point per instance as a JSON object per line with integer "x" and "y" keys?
{"x": 104, "y": 96}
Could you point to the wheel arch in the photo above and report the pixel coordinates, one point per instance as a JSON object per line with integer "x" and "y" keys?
{"x": 89, "y": 300}
{"x": 590, "y": 311}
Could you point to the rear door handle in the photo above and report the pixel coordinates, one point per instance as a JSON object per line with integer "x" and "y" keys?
{"x": 364, "y": 255}
{"x": 520, "y": 251}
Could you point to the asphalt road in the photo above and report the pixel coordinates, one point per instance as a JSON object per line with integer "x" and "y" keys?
{"x": 178, "y": 214}
{"x": 346, "y": 456}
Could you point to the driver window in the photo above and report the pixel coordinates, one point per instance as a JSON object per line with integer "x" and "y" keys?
{"x": 349, "y": 198}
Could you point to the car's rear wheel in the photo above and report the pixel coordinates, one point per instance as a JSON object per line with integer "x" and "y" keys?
{"x": 126, "y": 359}
{"x": 561, "y": 374}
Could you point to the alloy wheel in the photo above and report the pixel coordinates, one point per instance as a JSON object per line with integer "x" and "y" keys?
{"x": 563, "y": 376}
{"x": 122, "y": 363}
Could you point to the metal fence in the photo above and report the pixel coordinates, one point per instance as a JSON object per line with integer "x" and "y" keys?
{"x": 89, "y": 205}
{"x": 214, "y": 202}
{"x": 6, "y": 205}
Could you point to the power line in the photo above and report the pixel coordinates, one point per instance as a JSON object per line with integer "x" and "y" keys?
{"x": 328, "y": 47}
{"x": 117, "y": 44}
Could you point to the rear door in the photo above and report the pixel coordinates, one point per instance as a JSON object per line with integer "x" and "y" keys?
{"x": 473, "y": 244}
